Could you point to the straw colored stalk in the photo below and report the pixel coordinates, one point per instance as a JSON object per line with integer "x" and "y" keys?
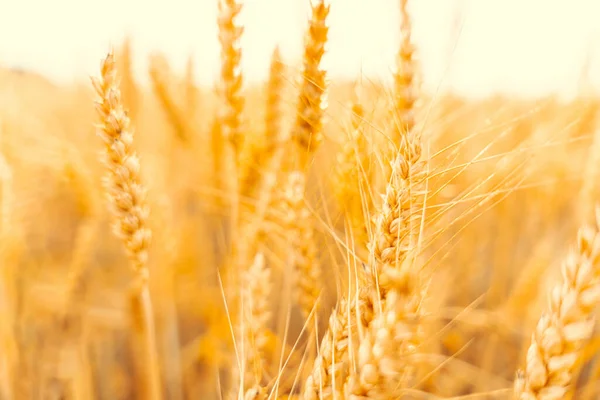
{"x": 395, "y": 333}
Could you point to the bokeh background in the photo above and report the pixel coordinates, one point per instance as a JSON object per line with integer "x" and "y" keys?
{"x": 477, "y": 46}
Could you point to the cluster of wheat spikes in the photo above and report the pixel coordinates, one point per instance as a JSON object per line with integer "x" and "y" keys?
{"x": 400, "y": 249}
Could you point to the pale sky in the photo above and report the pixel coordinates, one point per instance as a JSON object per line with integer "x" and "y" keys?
{"x": 527, "y": 46}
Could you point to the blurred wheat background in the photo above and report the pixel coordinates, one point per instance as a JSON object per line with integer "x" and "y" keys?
{"x": 378, "y": 206}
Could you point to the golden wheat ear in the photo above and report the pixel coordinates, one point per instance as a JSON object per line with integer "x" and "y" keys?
{"x": 307, "y": 131}
{"x": 396, "y": 334}
{"x": 557, "y": 341}
{"x": 129, "y": 211}
{"x": 307, "y": 135}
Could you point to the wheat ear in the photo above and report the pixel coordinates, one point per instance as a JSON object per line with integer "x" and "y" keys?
{"x": 128, "y": 207}
{"x": 307, "y": 135}
{"x": 405, "y": 86}
{"x": 335, "y": 360}
{"x": 230, "y": 33}
{"x": 568, "y": 323}
{"x": 396, "y": 331}
{"x": 307, "y": 130}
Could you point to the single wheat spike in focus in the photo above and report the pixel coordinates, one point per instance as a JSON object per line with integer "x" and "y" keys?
{"x": 128, "y": 208}
{"x": 568, "y": 324}
{"x": 398, "y": 224}
{"x": 331, "y": 361}
{"x": 395, "y": 332}
{"x": 338, "y": 348}
{"x": 123, "y": 184}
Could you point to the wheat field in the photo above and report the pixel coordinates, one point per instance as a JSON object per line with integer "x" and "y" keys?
{"x": 302, "y": 238}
